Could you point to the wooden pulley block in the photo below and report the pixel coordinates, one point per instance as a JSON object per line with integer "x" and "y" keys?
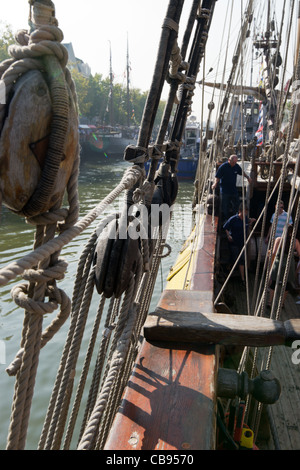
{"x": 166, "y": 188}
{"x": 165, "y": 194}
{"x": 116, "y": 259}
{"x": 129, "y": 262}
{"x": 113, "y": 267}
{"x": 24, "y": 144}
{"x": 102, "y": 254}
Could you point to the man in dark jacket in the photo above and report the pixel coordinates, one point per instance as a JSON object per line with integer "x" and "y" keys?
{"x": 234, "y": 228}
{"x": 227, "y": 174}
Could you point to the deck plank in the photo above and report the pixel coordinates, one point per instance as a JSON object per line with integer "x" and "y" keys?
{"x": 286, "y": 411}
{"x": 171, "y": 393}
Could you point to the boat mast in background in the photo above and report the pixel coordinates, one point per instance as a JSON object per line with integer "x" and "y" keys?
{"x": 128, "y": 82}
{"x": 111, "y": 90}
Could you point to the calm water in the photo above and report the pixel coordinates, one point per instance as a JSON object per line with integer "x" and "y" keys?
{"x": 16, "y": 240}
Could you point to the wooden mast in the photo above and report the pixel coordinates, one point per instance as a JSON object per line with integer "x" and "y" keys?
{"x": 128, "y": 80}
{"x": 296, "y": 78}
{"x": 111, "y": 89}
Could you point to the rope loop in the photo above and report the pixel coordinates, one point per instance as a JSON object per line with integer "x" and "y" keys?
{"x": 132, "y": 175}
{"x": 171, "y": 24}
{"x": 55, "y": 272}
{"x": 47, "y": 218}
{"x": 140, "y": 193}
{"x": 20, "y": 293}
{"x": 168, "y": 252}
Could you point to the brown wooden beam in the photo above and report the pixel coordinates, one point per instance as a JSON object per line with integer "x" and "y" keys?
{"x": 225, "y": 329}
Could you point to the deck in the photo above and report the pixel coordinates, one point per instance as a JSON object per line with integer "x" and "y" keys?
{"x": 285, "y": 413}
{"x": 183, "y": 376}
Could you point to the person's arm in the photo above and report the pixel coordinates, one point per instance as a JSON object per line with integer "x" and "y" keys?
{"x": 248, "y": 178}
{"x": 276, "y": 246}
{"x": 228, "y": 235}
{"x": 215, "y": 183}
{"x": 268, "y": 234}
{"x": 297, "y": 247}
{"x": 275, "y": 249}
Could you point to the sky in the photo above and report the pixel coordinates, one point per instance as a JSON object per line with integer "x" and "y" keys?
{"x": 93, "y": 26}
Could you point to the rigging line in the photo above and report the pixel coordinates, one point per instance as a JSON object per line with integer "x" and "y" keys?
{"x": 168, "y": 38}
{"x": 281, "y": 299}
{"x": 291, "y": 126}
{"x": 244, "y": 247}
{"x": 271, "y": 242}
{"x": 201, "y": 190}
{"x": 222, "y": 92}
{"x": 258, "y": 307}
{"x": 243, "y": 161}
{"x": 264, "y": 220}
{"x": 257, "y": 311}
{"x": 247, "y": 349}
{"x": 283, "y": 101}
{"x": 228, "y": 89}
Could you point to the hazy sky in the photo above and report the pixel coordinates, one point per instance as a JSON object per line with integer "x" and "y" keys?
{"x": 92, "y": 25}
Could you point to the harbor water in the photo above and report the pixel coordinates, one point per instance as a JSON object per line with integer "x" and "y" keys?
{"x": 16, "y": 240}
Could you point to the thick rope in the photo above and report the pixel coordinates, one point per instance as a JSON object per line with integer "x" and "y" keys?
{"x": 117, "y": 361}
{"x": 31, "y": 297}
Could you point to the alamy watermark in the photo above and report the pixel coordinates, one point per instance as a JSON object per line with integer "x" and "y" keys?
{"x": 296, "y": 91}
{"x": 140, "y": 221}
{"x": 296, "y": 354}
{"x": 2, "y": 352}
{"x": 2, "y": 92}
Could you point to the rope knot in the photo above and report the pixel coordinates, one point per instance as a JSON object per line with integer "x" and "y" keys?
{"x": 19, "y": 294}
{"x": 55, "y": 272}
{"x": 132, "y": 175}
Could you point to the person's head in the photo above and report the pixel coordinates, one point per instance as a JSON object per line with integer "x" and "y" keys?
{"x": 243, "y": 211}
{"x": 281, "y": 207}
{"x": 232, "y": 160}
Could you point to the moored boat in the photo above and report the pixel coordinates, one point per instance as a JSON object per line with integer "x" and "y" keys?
{"x": 105, "y": 143}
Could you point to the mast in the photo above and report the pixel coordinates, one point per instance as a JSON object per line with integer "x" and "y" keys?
{"x": 248, "y": 17}
{"x": 296, "y": 129}
{"x": 298, "y": 35}
{"x": 128, "y": 81}
{"x": 111, "y": 91}
{"x": 266, "y": 45}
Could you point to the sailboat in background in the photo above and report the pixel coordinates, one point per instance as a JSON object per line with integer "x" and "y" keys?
{"x": 107, "y": 142}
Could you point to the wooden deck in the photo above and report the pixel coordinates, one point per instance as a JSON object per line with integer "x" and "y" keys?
{"x": 285, "y": 413}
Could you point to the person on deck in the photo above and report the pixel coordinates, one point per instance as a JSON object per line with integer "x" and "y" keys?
{"x": 226, "y": 175}
{"x": 276, "y": 262}
{"x": 234, "y": 228}
{"x": 281, "y": 222}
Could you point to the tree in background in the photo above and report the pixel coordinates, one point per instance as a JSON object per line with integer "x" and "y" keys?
{"x": 6, "y": 39}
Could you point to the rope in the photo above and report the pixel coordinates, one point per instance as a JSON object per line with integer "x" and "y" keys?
{"x": 42, "y": 267}
{"x": 42, "y": 41}
{"x": 117, "y": 362}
